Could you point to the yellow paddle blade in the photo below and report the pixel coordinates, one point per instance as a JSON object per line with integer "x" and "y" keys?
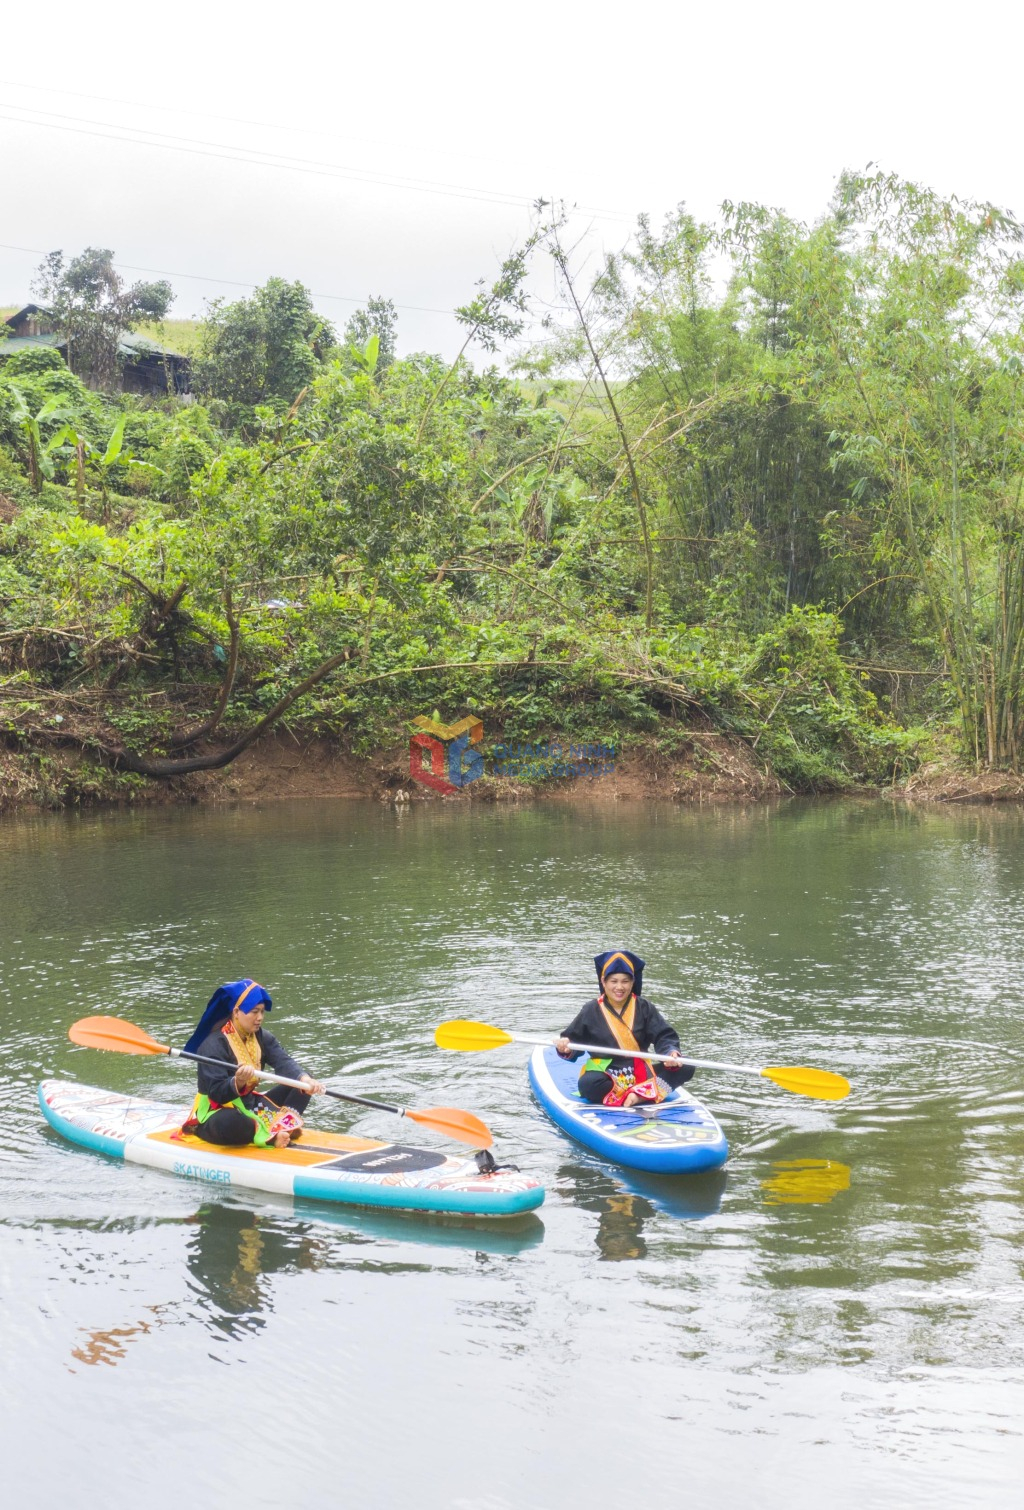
{"x": 470, "y": 1037}
{"x": 821, "y": 1084}
{"x": 112, "y": 1033}
{"x": 462, "y": 1126}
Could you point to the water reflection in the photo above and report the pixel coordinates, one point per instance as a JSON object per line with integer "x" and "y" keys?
{"x": 857, "y": 1264}
{"x": 109, "y": 1345}
{"x": 232, "y": 1254}
{"x": 509, "y": 1235}
{"x": 686, "y": 1197}
{"x": 235, "y": 1255}
{"x": 625, "y": 1201}
{"x": 805, "y": 1182}
{"x": 620, "y": 1227}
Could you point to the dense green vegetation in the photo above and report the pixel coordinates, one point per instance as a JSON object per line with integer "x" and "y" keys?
{"x": 784, "y": 503}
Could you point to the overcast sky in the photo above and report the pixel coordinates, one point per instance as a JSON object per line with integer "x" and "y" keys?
{"x": 400, "y": 145}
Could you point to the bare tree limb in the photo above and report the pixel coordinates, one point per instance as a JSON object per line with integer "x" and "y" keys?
{"x": 185, "y": 737}
{"x": 560, "y": 258}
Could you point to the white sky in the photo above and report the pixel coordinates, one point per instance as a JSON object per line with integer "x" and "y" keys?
{"x": 620, "y": 109}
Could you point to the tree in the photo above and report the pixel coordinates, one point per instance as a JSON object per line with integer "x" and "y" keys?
{"x": 262, "y": 350}
{"x": 92, "y": 308}
{"x": 380, "y": 319}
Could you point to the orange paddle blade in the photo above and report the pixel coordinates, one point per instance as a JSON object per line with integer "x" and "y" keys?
{"x": 112, "y": 1033}
{"x": 462, "y": 1126}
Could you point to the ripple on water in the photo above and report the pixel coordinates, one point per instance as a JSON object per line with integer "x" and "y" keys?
{"x": 846, "y": 1290}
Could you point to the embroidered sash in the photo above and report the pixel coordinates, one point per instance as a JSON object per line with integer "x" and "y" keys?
{"x": 622, "y": 1031}
{"x": 621, "y": 1026}
{"x": 245, "y": 1050}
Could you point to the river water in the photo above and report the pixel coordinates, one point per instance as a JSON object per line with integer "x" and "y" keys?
{"x": 836, "y": 1318}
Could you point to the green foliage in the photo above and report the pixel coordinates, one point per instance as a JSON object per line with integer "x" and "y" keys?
{"x": 92, "y": 308}
{"x": 39, "y": 376}
{"x": 378, "y": 323}
{"x": 261, "y": 351}
{"x": 820, "y": 726}
{"x": 827, "y": 468}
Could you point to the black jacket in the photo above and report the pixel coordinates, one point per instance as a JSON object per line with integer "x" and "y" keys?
{"x": 219, "y": 1084}
{"x": 650, "y": 1029}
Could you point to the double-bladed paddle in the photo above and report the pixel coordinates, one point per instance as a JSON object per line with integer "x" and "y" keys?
{"x": 473, "y": 1037}
{"x": 126, "y": 1038}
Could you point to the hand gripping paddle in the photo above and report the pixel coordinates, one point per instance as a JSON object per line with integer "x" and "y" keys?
{"x": 473, "y": 1037}
{"x": 126, "y": 1038}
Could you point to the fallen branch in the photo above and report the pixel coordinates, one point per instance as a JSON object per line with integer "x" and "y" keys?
{"x": 186, "y": 737}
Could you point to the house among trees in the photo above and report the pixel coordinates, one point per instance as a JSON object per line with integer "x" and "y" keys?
{"x": 143, "y": 366}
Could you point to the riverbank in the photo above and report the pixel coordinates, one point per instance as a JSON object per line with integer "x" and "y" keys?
{"x": 704, "y": 768}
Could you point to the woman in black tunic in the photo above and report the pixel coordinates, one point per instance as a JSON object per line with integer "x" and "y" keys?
{"x": 228, "y": 1109}
{"x": 620, "y": 1017}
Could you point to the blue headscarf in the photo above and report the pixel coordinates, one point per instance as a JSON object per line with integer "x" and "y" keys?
{"x": 221, "y": 1005}
{"x": 621, "y": 962}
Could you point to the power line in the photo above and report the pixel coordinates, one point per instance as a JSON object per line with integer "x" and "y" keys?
{"x": 208, "y": 115}
{"x": 199, "y": 147}
{"x": 163, "y": 272}
{"x": 231, "y": 153}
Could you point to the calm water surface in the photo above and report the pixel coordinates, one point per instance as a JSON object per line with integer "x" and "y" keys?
{"x": 836, "y": 1318}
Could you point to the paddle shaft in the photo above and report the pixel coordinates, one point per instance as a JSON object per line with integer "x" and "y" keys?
{"x": 381, "y": 1106}
{"x": 601, "y": 1051}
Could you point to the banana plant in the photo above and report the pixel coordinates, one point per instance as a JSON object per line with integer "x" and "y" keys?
{"x": 40, "y": 460}
{"x": 89, "y": 459}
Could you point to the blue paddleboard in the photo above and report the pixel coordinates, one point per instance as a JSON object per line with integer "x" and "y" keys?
{"x": 679, "y": 1136}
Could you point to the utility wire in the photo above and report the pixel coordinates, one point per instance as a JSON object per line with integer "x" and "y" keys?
{"x": 227, "y": 151}
{"x": 209, "y": 115}
{"x": 163, "y": 272}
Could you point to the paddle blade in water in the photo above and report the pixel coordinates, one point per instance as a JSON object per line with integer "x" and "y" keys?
{"x": 112, "y": 1033}
{"x": 453, "y": 1123}
{"x": 470, "y": 1037}
{"x": 821, "y": 1084}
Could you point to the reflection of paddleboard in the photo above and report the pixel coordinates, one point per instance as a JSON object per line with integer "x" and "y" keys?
{"x": 322, "y": 1166}
{"x": 686, "y": 1200}
{"x": 680, "y": 1136}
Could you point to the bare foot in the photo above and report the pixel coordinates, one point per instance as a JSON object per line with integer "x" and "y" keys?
{"x": 281, "y": 1140}
{"x": 631, "y": 1100}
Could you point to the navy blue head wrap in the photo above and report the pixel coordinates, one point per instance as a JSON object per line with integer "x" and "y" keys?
{"x": 620, "y": 962}
{"x": 245, "y": 994}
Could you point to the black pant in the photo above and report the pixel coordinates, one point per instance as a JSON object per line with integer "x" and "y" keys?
{"x": 233, "y": 1129}
{"x": 595, "y": 1084}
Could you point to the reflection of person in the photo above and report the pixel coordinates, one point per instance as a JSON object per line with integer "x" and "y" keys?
{"x": 620, "y": 1017}
{"x": 620, "y": 1228}
{"x": 228, "y": 1109}
{"x": 233, "y": 1255}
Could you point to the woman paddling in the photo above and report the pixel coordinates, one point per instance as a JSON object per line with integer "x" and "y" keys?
{"x": 228, "y": 1109}
{"x": 621, "y": 1018}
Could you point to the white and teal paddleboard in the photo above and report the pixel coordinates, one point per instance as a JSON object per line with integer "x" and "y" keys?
{"x": 678, "y": 1136}
{"x": 322, "y": 1166}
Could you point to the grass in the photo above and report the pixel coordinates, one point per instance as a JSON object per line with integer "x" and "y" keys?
{"x": 181, "y": 336}
{"x": 563, "y": 395}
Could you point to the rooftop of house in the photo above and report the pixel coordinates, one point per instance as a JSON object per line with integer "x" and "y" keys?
{"x": 130, "y": 344}
{"x": 14, "y": 344}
